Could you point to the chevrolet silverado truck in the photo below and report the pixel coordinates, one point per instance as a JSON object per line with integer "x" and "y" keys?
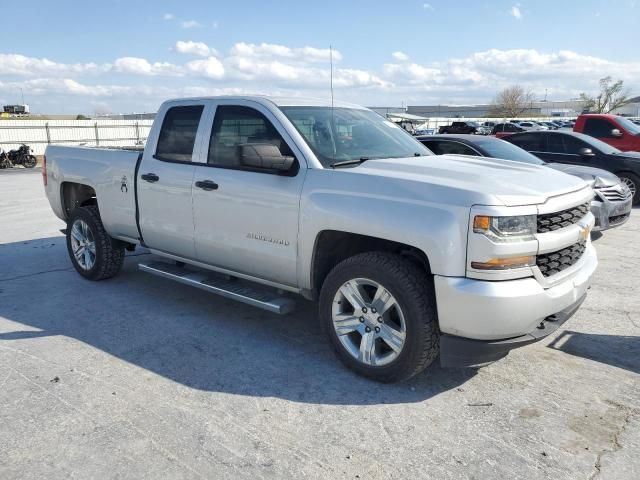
{"x": 408, "y": 255}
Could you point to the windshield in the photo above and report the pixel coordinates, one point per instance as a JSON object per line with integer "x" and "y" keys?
{"x": 628, "y": 125}
{"x": 348, "y": 134}
{"x": 496, "y": 148}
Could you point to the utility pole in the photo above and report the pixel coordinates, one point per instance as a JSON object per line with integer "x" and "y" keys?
{"x": 22, "y": 95}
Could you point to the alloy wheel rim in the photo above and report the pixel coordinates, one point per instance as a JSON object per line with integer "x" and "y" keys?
{"x": 629, "y": 183}
{"x": 369, "y": 322}
{"x": 83, "y": 244}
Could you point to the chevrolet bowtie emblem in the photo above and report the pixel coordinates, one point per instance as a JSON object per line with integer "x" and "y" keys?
{"x": 584, "y": 232}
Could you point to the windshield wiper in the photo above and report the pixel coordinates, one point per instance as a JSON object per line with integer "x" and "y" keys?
{"x": 353, "y": 161}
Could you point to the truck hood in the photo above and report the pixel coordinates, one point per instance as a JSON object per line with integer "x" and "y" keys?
{"x": 476, "y": 180}
{"x": 589, "y": 174}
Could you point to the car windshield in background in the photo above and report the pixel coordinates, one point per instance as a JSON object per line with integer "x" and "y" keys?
{"x": 629, "y": 126}
{"x": 507, "y": 151}
{"x": 348, "y": 134}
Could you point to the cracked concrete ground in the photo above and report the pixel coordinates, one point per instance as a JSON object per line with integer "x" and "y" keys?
{"x": 138, "y": 377}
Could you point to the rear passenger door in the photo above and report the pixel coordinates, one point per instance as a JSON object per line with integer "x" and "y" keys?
{"x": 165, "y": 178}
{"x": 248, "y": 223}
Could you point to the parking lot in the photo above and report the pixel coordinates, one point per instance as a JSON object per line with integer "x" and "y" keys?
{"x": 140, "y": 377}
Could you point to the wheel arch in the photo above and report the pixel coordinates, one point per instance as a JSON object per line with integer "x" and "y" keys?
{"x": 333, "y": 246}
{"x": 74, "y": 195}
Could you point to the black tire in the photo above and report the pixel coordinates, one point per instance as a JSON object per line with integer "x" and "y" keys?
{"x": 109, "y": 253}
{"x": 633, "y": 179}
{"x": 30, "y": 161}
{"x": 413, "y": 289}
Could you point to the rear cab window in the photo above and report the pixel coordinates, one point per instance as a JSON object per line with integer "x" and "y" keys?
{"x": 178, "y": 133}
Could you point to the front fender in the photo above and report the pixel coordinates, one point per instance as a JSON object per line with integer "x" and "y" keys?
{"x": 439, "y": 231}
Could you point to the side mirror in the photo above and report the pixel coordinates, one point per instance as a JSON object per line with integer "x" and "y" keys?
{"x": 616, "y": 133}
{"x": 586, "y": 153}
{"x": 264, "y": 155}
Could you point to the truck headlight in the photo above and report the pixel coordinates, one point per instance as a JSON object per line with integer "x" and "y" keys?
{"x": 506, "y": 229}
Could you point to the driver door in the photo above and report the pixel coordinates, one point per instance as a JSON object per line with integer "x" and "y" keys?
{"x": 248, "y": 222}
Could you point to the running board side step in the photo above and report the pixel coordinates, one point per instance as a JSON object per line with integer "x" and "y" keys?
{"x": 232, "y": 288}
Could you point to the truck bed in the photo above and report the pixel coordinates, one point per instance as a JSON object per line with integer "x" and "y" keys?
{"x": 109, "y": 171}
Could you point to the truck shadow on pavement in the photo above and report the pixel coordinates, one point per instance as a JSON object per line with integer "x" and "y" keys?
{"x": 191, "y": 337}
{"x": 617, "y": 350}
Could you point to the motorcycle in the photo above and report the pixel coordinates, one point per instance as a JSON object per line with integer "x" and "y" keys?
{"x": 22, "y": 156}
{"x": 4, "y": 159}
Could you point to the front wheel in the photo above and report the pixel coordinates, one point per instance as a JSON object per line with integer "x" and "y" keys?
{"x": 633, "y": 182}
{"x": 378, "y": 310}
{"x": 30, "y": 161}
{"x": 94, "y": 254}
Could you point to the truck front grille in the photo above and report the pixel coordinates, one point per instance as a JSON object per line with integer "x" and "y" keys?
{"x": 549, "y": 222}
{"x": 555, "y": 262}
{"x": 614, "y": 194}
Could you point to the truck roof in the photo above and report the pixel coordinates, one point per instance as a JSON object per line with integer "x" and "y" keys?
{"x": 278, "y": 101}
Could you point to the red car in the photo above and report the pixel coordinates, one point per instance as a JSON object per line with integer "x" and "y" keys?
{"x": 617, "y": 131}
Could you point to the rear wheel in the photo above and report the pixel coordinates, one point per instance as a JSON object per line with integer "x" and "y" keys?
{"x": 633, "y": 182}
{"x": 378, "y": 310}
{"x": 94, "y": 254}
{"x": 30, "y": 161}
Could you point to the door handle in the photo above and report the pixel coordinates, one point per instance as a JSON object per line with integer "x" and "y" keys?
{"x": 150, "y": 177}
{"x": 207, "y": 185}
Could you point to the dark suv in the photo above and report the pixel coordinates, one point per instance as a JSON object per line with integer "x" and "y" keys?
{"x": 579, "y": 149}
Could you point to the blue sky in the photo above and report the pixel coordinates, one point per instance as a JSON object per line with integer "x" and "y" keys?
{"x": 122, "y": 56}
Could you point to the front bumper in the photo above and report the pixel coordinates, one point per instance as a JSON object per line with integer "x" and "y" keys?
{"x": 610, "y": 214}
{"x": 497, "y": 312}
{"x": 466, "y": 352}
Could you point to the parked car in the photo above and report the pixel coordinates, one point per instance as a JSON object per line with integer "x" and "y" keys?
{"x": 464, "y": 127}
{"x": 489, "y": 124}
{"x": 550, "y": 125}
{"x": 503, "y": 129}
{"x": 578, "y": 149}
{"x": 612, "y": 205}
{"x": 617, "y": 131}
{"x": 335, "y": 203}
{"x": 528, "y": 125}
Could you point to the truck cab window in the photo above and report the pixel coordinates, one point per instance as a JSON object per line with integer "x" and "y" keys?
{"x": 178, "y": 133}
{"x": 234, "y": 126}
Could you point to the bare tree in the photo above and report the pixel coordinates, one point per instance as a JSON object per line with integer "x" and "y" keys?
{"x": 512, "y": 101}
{"x": 612, "y": 95}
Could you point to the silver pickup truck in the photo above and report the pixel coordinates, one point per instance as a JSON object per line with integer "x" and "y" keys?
{"x": 409, "y": 255}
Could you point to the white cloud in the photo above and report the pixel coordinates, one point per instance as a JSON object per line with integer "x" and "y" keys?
{"x": 210, "y": 67}
{"x": 12, "y": 64}
{"x": 190, "y": 24}
{"x": 168, "y": 16}
{"x": 266, "y": 50}
{"x": 141, "y": 66}
{"x": 515, "y": 12}
{"x": 427, "y": 6}
{"x": 400, "y": 56}
{"x": 199, "y": 49}
{"x": 273, "y": 68}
